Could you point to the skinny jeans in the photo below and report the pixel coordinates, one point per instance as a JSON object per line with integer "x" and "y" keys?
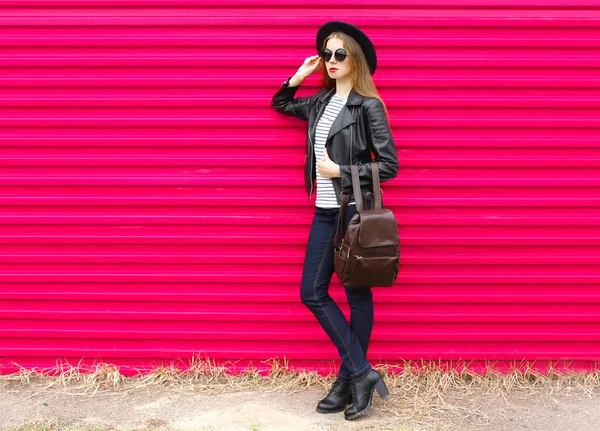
{"x": 351, "y": 339}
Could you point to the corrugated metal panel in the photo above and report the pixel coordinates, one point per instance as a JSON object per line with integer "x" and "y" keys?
{"x": 152, "y": 203}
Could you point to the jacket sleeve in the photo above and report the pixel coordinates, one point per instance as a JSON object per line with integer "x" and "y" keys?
{"x": 383, "y": 147}
{"x": 283, "y": 101}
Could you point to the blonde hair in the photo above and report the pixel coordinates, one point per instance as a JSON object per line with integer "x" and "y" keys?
{"x": 360, "y": 76}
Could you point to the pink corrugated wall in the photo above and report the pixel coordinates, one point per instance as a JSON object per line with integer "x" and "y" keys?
{"x": 152, "y": 203}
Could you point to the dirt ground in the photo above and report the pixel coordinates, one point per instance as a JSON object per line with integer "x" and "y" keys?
{"x": 189, "y": 407}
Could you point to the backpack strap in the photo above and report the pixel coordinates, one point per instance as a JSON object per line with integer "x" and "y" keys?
{"x": 376, "y": 185}
{"x": 356, "y": 188}
{"x": 338, "y": 231}
{"x": 358, "y": 198}
{"x": 344, "y": 205}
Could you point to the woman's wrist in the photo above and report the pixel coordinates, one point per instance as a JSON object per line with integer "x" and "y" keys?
{"x": 296, "y": 80}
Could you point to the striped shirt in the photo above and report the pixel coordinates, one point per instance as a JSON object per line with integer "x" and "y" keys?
{"x": 325, "y": 191}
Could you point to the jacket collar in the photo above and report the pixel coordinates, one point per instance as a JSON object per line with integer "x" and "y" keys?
{"x": 344, "y": 119}
{"x": 354, "y": 98}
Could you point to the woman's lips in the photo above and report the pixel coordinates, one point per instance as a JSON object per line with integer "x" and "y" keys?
{"x": 333, "y": 69}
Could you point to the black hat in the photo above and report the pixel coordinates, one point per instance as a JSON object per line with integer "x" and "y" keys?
{"x": 356, "y": 33}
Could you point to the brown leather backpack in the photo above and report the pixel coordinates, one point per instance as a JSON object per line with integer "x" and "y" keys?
{"x": 367, "y": 255}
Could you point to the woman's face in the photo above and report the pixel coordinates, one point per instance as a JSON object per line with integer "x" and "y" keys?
{"x": 343, "y": 67}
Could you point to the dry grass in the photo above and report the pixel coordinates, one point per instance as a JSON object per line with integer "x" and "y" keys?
{"x": 421, "y": 389}
{"x": 419, "y": 377}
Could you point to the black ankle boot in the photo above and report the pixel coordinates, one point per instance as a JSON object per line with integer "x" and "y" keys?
{"x": 337, "y": 398}
{"x": 362, "y": 393}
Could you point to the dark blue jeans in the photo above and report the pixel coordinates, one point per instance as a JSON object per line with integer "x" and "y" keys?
{"x": 351, "y": 340}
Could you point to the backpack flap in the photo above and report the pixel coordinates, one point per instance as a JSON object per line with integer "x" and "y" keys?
{"x": 378, "y": 228}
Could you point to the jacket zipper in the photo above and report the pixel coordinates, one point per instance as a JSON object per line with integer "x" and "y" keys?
{"x": 351, "y": 138}
{"x": 312, "y": 153}
{"x": 310, "y": 175}
{"x": 351, "y": 141}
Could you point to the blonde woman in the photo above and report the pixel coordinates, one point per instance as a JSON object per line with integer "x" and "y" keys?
{"x": 347, "y": 124}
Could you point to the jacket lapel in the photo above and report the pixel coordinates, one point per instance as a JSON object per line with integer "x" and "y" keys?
{"x": 343, "y": 120}
{"x": 320, "y": 107}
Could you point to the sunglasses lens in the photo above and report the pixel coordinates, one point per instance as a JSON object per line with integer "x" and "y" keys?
{"x": 340, "y": 54}
{"x": 326, "y": 54}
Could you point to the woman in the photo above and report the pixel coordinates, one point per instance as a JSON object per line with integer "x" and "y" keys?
{"x": 347, "y": 124}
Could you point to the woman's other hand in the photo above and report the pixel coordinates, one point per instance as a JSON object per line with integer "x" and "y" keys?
{"x": 328, "y": 168}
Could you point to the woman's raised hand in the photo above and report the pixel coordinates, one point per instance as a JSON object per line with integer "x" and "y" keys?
{"x": 310, "y": 66}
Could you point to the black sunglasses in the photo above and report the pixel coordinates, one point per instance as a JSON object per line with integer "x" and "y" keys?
{"x": 340, "y": 54}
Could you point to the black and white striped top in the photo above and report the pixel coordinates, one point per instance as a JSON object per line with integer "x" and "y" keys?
{"x": 325, "y": 191}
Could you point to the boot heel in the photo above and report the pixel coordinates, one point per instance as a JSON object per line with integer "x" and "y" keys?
{"x": 382, "y": 389}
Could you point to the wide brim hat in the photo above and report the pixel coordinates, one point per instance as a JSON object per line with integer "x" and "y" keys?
{"x": 353, "y": 31}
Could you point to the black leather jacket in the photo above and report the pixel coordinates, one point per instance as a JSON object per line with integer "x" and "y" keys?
{"x": 361, "y": 122}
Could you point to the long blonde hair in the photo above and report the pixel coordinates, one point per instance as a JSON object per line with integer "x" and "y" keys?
{"x": 360, "y": 76}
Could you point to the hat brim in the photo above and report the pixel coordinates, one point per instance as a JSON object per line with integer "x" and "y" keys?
{"x": 357, "y": 34}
